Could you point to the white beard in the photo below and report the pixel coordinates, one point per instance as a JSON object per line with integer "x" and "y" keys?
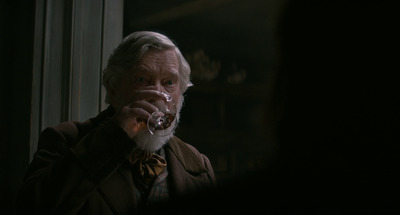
{"x": 149, "y": 142}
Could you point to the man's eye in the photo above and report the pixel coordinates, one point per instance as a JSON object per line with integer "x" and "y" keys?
{"x": 169, "y": 82}
{"x": 140, "y": 80}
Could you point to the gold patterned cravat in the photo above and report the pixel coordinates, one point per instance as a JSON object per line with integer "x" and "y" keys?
{"x": 147, "y": 165}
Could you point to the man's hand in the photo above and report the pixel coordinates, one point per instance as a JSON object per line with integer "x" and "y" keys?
{"x": 133, "y": 116}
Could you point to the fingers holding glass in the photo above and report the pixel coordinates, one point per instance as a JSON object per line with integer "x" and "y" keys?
{"x": 150, "y": 110}
{"x": 160, "y": 121}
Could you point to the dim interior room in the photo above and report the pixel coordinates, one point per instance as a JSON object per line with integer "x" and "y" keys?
{"x": 337, "y": 117}
{"x": 54, "y": 52}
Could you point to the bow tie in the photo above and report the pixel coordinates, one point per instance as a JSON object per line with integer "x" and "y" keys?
{"x": 147, "y": 165}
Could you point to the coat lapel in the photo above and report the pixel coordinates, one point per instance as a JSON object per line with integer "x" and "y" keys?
{"x": 119, "y": 192}
{"x": 186, "y": 169}
{"x": 189, "y": 158}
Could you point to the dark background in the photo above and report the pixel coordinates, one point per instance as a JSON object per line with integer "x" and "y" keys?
{"x": 16, "y": 37}
{"x": 318, "y": 108}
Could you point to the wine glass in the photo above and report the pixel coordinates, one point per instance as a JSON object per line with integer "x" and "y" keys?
{"x": 159, "y": 123}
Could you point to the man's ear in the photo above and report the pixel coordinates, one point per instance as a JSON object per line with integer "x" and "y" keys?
{"x": 110, "y": 93}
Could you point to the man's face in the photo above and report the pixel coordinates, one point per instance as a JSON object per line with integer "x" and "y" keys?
{"x": 157, "y": 70}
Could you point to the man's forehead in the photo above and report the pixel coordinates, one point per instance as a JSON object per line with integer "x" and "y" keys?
{"x": 151, "y": 69}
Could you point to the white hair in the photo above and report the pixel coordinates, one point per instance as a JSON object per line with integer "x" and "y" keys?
{"x": 131, "y": 50}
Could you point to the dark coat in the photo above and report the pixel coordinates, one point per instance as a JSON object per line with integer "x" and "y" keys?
{"x": 80, "y": 168}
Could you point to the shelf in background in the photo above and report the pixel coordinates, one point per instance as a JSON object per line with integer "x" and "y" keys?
{"x": 248, "y": 90}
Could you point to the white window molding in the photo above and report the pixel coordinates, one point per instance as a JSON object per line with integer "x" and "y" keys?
{"x": 73, "y": 40}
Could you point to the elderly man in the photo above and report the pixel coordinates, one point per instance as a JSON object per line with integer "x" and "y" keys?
{"x": 112, "y": 164}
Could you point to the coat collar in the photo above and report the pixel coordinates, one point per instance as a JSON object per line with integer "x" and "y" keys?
{"x": 187, "y": 155}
